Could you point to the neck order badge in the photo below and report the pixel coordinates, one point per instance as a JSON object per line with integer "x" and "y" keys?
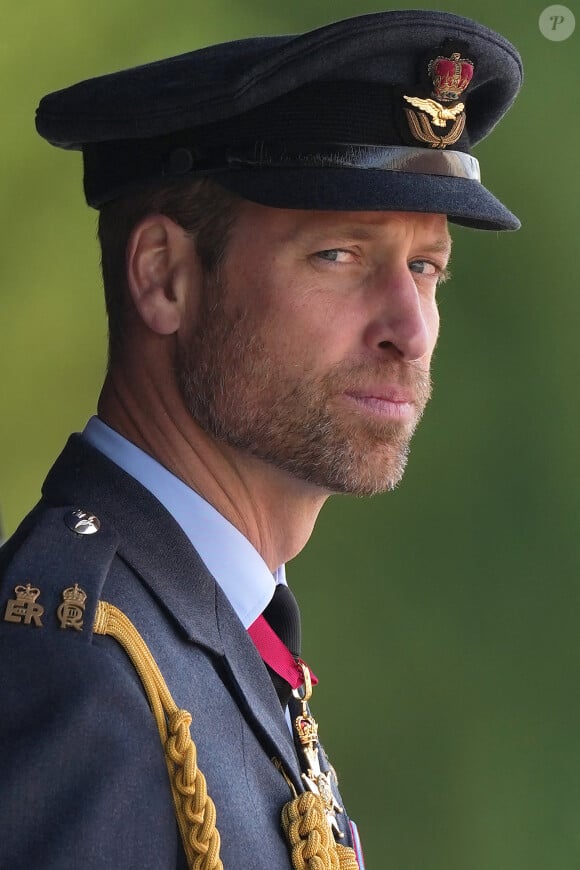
{"x": 296, "y": 673}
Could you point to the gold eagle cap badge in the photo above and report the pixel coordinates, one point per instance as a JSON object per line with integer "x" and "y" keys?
{"x": 450, "y": 77}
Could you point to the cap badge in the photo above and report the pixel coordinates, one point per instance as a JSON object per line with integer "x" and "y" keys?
{"x": 450, "y": 77}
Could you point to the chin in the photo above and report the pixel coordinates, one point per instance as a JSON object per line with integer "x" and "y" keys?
{"x": 366, "y": 477}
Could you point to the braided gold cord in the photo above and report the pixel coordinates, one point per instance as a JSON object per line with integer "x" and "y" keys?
{"x": 347, "y": 859}
{"x": 190, "y": 794}
{"x": 304, "y": 819}
{"x": 311, "y": 842}
{"x": 194, "y": 809}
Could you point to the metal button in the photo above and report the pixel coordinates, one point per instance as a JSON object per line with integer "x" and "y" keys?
{"x": 82, "y": 522}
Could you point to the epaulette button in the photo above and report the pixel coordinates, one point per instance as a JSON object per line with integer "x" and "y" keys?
{"x": 82, "y": 522}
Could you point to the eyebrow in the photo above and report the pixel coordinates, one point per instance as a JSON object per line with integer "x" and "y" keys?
{"x": 345, "y": 233}
{"x": 355, "y": 232}
{"x": 342, "y": 232}
{"x": 440, "y": 246}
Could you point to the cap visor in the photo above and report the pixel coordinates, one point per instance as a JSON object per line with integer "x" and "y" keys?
{"x": 464, "y": 201}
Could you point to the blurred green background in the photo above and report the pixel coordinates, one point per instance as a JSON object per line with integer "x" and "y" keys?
{"x": 442, "y": 619}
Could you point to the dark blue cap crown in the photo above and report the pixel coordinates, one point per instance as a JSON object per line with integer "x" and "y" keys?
{"x": 378, "y": 112}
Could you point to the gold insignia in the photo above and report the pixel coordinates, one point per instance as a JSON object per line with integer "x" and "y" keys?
{"x": 423, "y": 132}
{"x": 71, "y": 611}
{"x": 439, "y": 113}
{"x": 317, "y": 781}
{"x": 450, "y": 77}
{"x": 23, "y": 608}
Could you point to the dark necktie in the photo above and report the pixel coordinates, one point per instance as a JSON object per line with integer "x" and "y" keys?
{"x": 283, "y": 616}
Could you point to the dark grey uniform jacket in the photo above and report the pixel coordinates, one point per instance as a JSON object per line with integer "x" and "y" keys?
{"x": 83, "y": 782}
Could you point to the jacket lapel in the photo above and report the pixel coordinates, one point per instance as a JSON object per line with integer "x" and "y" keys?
{"x": 257, "y": 696}
{"x": 155, "y": 546}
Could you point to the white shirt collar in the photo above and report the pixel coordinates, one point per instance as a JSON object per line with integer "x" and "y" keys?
{"x": 235, "y": 564}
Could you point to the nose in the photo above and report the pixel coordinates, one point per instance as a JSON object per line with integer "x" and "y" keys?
{"x": 405, "y": 320}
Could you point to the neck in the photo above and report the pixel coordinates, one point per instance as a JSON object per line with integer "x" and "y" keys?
{"x": 272, "y": 509}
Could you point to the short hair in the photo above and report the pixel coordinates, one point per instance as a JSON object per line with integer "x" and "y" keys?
{"x": 204, "y": 209}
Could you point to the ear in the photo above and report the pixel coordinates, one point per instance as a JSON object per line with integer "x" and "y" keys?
{"x": 161, "y": 266}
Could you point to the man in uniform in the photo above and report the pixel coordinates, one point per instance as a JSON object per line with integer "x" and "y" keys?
{"x": 273, "y": 223}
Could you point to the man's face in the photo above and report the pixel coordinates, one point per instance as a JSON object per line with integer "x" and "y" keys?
{"x": 311, "y": 351}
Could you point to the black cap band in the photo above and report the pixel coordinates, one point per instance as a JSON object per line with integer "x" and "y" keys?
{"x": 389, "y": 158}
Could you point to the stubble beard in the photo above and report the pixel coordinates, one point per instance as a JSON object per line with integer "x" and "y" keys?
{"x": 240, "y": 392}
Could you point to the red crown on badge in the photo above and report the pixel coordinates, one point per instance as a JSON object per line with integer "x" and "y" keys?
{"x": 450, "y": 76}
{"x": 307, "y": 729}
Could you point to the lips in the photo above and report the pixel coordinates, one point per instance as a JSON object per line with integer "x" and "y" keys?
{"x": 395, "y": 395}
{"x": 391, "y": 404}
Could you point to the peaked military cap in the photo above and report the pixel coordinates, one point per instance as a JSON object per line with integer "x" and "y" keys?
{"x": 378, "y": 112}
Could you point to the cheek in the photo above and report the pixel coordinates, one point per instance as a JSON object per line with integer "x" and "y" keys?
{"x": 296, "y": 316}
{"x": 304, "y": 338}
{"x": 434, "y": 325}
{"x": 432, "y": 317}
{"x": 432, "y": 322}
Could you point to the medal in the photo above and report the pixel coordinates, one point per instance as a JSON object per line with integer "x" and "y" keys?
{"x": 316, "y": 780}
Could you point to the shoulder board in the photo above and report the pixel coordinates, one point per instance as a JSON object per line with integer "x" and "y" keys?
{"x": 53, "y": 570}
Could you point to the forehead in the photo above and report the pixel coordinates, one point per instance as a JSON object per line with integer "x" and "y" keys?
{"x": 301, "y": 226}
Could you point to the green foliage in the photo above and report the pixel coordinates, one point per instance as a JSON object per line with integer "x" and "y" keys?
{"x": 441, "y": 619}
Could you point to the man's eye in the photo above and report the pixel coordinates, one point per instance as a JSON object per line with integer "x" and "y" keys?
{"x": 335, "y": 255}
{"x": 424, "y": 267}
